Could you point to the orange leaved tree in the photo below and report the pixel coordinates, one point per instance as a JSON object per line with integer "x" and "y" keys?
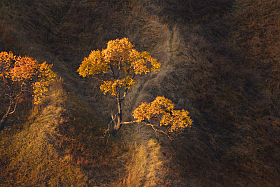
{"x": 117, "y": 65}
{"x": 22, "y": 78}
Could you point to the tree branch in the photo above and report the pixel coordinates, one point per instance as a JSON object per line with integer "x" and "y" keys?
{"x": 113, "y": 119}
{"x": 14, "y": 108}
{"x": 128, "y": 122}
{"x": 149, "y": 124}
{"x": 112, "y": 69}
{"x": 5, "y": 116}
{"x": 15, "y": 102}
{"x": 124, "y": 94}
{"x": 157, "y": 130}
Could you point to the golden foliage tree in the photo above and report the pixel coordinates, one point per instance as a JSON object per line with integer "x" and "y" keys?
{"x": 118, "y": 64}
{"x": 21, "y": 78}
{"x": 163, "y": 109}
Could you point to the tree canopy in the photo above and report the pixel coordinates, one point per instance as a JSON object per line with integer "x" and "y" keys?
{"x": 117, "y": 66}
{"x": 22, "y": 78}
{"x": 119, "y": 63}
{"x": 163, "y": 109}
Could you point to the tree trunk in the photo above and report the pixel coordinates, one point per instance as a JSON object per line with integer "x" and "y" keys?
{"x": 4, "y": 117}
{"x": 118, "y": 125}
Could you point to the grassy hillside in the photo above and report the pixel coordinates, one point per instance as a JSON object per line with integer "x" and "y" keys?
{"x": 61, "y": 142}
{"x": 220, "y": 61}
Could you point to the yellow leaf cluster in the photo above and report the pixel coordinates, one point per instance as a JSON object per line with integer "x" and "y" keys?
{"x": 45, "y": 76}
{"x": 119, "y": 52}
{"x": 40, "y": 89}
{"x": 163, "y": 109}
{"x": 119, "y": 60}
{"x": 93, "y": 65}
{"x": 111, "y": 87}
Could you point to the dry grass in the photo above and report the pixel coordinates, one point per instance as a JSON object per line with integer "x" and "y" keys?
{"x": 230, "y": 108}
{"x": 145, "y": 164}
{"x": 61, "y": 144}
{"x": 212, "y": 71}
{"x": 32, "y": 156}
{"x": 257, "y": 36}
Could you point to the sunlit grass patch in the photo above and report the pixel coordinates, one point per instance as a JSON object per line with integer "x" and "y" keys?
{"x": 60, "y": 145}
{"x": 33, "y": 154}
{"x": 145, "y": 162}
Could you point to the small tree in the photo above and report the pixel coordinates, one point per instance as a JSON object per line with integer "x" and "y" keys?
{"x": 21, "y": 78}
{"x": 117, "y": 65}
{"x": 162, "y": 109}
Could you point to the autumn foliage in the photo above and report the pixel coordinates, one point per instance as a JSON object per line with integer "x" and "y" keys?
{"x": 118, "y": 64}
{"x": 163, "y": 109}
{"x": 22, "y": 78}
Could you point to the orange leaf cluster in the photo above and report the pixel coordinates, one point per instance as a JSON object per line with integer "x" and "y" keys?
{"x": 25, "y": 71}
{"x": 24, "y": 68}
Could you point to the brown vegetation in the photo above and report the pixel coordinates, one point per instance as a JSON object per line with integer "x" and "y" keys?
{"x": 220, "y": 61}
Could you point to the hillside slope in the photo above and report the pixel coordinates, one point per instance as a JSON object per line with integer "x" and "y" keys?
{"x": 219, "y": 61}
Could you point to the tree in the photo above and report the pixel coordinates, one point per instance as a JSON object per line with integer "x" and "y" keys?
{"x": 163, "y": 109}
{"x": 22, "y": 78}
{"x": 117, "y": 66}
